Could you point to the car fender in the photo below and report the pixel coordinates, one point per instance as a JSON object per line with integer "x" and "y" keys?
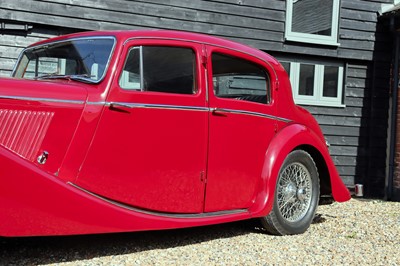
{"x": 284, "y": 142}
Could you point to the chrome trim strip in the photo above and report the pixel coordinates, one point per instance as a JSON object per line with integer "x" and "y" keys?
{"x": 150, "y": 106}
{"x": 193, "y": 108}
{"x": 223, "y": 110}
{"x": 41, "y": 99}
{"x": 96, "y": 103}
{"x": 161, "y": 214}
{"x": 157, "y": 106}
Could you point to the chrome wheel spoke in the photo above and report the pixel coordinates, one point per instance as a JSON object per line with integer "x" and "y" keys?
{"x": 294, "y": 192}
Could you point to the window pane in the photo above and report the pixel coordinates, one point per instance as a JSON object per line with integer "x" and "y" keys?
{"x": 87, "y": 58}
{"x": 169, "y": 69}
{"x": 312, "y": 17}
{"x": 239, "y": 79}
{"x": 130, "y": 77}
{"x": 306, "y": 83}
{"x": 331, "y": 76}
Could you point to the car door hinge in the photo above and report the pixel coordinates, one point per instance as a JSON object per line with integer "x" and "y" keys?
{"x": 203, "y": 177}
{"x": 204, "y": 60}
{"x": 277, "y": 85}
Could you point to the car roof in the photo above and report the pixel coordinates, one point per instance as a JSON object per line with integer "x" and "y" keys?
{"x": 123, "y": 35}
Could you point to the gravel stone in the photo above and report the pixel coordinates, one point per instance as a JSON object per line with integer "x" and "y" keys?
{"x": 358, "y": 232}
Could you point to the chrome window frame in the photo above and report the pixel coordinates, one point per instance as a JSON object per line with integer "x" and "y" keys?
{"x": 196, "y": 71}
{"x": 69, "y": 40}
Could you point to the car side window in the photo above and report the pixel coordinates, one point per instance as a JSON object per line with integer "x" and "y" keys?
{"x": 160, "y": 68}
{"x": 239, "y": 79}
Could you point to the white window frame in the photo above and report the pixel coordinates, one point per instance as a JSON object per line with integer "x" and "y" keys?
{"x": 318, "y": 99}
{"x": 312, "y": 38}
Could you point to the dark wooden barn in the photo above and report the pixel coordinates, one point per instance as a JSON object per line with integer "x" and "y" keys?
{"x": 338, "y": 54}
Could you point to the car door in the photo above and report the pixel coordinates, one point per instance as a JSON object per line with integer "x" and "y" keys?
{"x": 241, "y": 126}
{"x": 150, "y": 147}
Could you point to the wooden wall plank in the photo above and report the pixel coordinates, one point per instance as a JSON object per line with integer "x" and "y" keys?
{"x": 11, "y": 45}
{"x": 213, "y": 7}
{"x": 5, "y": 73}
{"x": 263, "y": 20}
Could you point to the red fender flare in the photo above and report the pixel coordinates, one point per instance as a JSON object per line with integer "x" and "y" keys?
{"x": 284, "y": 142}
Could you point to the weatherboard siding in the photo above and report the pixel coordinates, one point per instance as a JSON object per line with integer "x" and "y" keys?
{"x": 357, "y": 132}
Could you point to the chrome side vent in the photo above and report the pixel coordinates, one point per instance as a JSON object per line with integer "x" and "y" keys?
{"x": 23, "y": 131}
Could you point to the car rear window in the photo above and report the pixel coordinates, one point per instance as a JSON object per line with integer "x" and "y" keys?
{"x": 239, "y": 79}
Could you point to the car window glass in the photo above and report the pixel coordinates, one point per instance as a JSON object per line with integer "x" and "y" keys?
{"x": 86, "y": 58}
{"x": 50, "y": 65}
{"x": 239, "y": 79}
{"x": 130, "y": 76}
{"x": 161, "y": 69}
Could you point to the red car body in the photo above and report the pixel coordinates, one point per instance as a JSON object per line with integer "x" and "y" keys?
{"x": 81, "y": 158}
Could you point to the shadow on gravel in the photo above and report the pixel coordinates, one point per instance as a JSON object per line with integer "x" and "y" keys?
{"x": 44, "y": 250}
{"x": 318, "y": 219}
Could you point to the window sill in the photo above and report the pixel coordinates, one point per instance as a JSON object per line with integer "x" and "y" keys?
{"x": 320, "y": 104}
{"x": 312, "y": 41}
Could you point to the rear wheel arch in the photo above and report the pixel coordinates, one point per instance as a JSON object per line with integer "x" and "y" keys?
{"x": 291, "y": 138}
{"x": 324, "y": 176}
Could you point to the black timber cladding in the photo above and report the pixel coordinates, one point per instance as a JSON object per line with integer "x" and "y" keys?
{"x": 357, "y": 133}
{"x": 12, "y": 42}
{"x": 257, "y": 23}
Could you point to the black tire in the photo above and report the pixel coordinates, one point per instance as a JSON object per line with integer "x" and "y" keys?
{"x": 296, "y": 196}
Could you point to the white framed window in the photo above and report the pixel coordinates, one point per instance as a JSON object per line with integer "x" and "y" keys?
{"x": 312, "y": 21}
{"x": 316, "y": 84}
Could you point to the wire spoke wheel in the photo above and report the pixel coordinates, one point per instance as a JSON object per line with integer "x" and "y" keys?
{"x": 296, "y": 196}
{"x": 294, "y": 192}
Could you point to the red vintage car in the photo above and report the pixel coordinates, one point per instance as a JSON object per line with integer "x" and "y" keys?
{"x": 140, "y": 130}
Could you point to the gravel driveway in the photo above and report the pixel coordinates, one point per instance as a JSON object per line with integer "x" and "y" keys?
{"x": 358, "y": 232}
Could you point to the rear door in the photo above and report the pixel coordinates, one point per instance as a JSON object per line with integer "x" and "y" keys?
{"x": 242, "y": 124}
{"x": 150, "y": 147}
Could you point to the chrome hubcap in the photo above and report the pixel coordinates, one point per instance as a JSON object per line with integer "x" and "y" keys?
{"x": 294, "y": 192}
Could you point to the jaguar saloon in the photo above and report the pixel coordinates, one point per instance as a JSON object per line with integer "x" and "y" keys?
{"x": 122, "y": 131}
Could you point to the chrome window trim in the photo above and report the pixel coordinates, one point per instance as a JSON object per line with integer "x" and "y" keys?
{"x": 195, "y": 108}
{"x": 242, "y": 112}
{"x": 141, "y": 66}
{"x": 73, "y": 39}
{"x": 157, "y": 106}
{"x": 155, "y": 213}
{"x": 140, "y": 48}
{"x": 195, "y": 89}
{"x": 150, "y": 106}
{"x": 205, "y": 43}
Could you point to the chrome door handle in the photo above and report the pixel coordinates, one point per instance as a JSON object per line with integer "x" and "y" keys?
{"x": 219, "y": 111}
{"x": 119, "y": 105}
